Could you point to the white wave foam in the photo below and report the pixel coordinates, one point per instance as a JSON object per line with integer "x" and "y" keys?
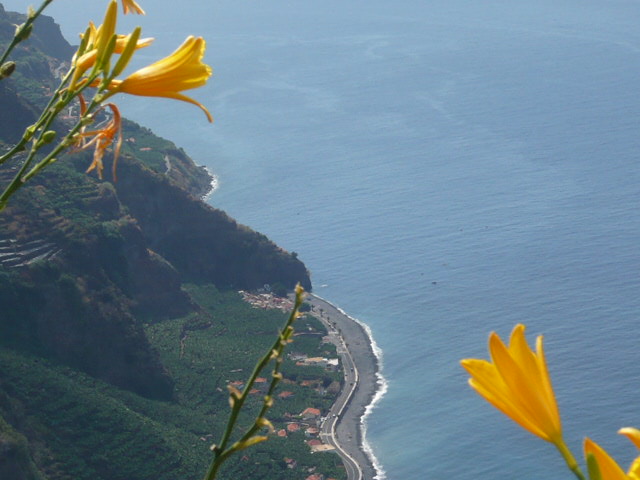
{"x": 215, "y": 183}
{"x": 382, "y": 388}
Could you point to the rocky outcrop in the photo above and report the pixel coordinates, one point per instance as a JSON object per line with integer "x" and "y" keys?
{"x": 201, "y": 242}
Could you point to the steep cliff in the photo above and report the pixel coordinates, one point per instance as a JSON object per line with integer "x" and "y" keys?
{"x": 85, "y": 263}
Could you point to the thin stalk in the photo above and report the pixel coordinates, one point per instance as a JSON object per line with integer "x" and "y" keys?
{"x": 570, "y": 460}
{"x": 23, "y": 176}
{"x": 30, "y": 19}
{"x": 221, "y": 452}
{"x": 28, "y": 135}
{"x": 19, "y": 179}
{"x": 17, "y": 148}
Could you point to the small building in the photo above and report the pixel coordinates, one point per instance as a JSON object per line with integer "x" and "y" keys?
{"x": 311, "y": 432}
{"x": 333, "y": 364}
{"x": 293, "y": 427}
{"x": 296, "y": 357}
{"x": 322, "y": 448}
{"x": 310, "y": 383}
{"x": 286, "y": 394}
{"x": 316, "y": 361}
{"x": 261, "y": 384}
{"x": 310, "y": 414}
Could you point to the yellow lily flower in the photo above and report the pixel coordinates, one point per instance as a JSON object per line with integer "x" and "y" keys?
{"x": 517, "y": 383}
{"x": 609, "y": 468}
{"x": 88, "y": 59}
{"x": 632, "y": 434}
{"x": 97, "y": 38}
{"x": 131, "y": 6}
{"x": 182, "y": 70}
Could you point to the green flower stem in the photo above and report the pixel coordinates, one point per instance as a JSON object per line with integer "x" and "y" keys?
{"x": 30, "y": 19}
{"x": 221, "y": 451}
{"x": 569, "y": 459}
{"x": 66, "y": 141}
{"x": 17, "y": 148}
{"x": 46, "y": 113}
{"x": 20, "y": 178}
{"x": 58, "y": 101}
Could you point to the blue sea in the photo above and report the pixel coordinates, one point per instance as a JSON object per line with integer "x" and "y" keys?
{"x": 445, "y": 168}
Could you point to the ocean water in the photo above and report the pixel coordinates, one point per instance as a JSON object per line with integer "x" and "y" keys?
{"x": 445, "y": 168}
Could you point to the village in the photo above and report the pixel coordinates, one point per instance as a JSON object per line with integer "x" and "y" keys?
{"x": 308, "y": 421}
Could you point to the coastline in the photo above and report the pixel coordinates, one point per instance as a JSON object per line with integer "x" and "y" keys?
{"x": 364, "y": 387}
{"x": 213, "y": 185}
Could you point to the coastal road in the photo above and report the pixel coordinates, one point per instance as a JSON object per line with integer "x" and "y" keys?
{"x": 342, "y": 426}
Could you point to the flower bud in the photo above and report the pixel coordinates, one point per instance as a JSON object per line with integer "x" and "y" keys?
{"x": 264, "y": 423}
{"x": 48, "y": 136}
{"x": 29, "y": 132}
{"x": 23, "y": 32}
{"x": 7, "y": 69}
{"x": 248, "y": 442}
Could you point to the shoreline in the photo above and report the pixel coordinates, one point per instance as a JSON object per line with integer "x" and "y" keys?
{"x": 213, "y": 184}
{"x": 364, "y": 386}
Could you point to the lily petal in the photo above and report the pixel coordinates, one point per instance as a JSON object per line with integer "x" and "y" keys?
{"x": 609, "y": 469}
{"x": 517, "y": 383}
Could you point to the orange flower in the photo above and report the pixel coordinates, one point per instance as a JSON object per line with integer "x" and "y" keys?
{"x": 96, "y": 41}
{"x": 609, "y": 469}
{"x": 607, "y": 466}
{"x": 102, "y": 139}
{"x": 131, "y": 6}
{"x": 87, "y": 60}
{"x": 517, "y": 383}
{"x": 182, "y": 70}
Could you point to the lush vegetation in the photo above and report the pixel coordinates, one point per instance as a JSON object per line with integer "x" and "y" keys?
{"x": 82, "y": 428}
{"x": 111, "y": 367}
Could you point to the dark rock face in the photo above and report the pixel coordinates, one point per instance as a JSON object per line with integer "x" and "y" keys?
{"x": 78, "y": 308}
{"x": 203, "y": 243}
{"x": 15, "y": 113}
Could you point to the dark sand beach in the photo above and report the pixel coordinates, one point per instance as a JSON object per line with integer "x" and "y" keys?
{"x": 343, "y": 425}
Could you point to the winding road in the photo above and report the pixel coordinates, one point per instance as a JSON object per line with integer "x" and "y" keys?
{"x": 341, "y": 428}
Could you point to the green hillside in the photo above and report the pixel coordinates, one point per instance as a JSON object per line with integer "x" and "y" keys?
{"x": 121, "y": 325}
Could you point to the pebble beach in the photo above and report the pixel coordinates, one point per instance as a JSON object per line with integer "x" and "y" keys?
{"x": 364, "y": 385}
